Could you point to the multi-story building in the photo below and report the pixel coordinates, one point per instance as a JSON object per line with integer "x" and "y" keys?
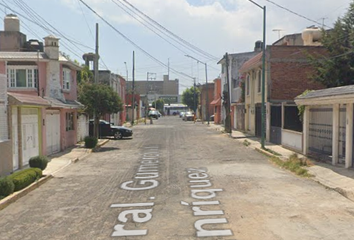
{"x": 42, "y": 95}
{"x": 287, "y": 75}
{"x": 154, "y": 90}
{"x": 230, "y": 68}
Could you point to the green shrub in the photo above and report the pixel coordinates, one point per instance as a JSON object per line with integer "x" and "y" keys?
{"x": 24, "y": 178}
{"x": 38, "y": 162}
{"x": 7, "y": 187}
{"x": 90, "y": 142}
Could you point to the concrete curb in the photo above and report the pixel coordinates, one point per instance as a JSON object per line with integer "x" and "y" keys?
{"x": 17, "y": 195}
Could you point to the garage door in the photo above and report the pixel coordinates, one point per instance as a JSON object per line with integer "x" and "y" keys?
{"x": 30, "y": 142}
{"x": 53, "y": 131}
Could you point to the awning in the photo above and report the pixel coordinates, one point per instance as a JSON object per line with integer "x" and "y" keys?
{"x": 69, "y": 104}
{"x": 216, "y": 102}
{"x": 26, "y": 99}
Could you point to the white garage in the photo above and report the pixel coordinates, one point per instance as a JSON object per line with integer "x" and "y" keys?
{"x": 52, "y": 131}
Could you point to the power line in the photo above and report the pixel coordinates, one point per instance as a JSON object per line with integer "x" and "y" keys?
{"x": 154, "y": 28}
{"x": 88, "y": 26}
{"x": 185, "y": 43}
{"x": 42, "y": 26}
{"x": 41, "y": 22}
{"x": 131, "y": 42}
{"x": 295, "y": 13}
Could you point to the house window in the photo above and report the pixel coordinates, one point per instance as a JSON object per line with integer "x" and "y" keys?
{"x": 248, "y": 85}
{"x": 66, "y": 79}
{"x": 69, "y": 121}
{"x": 259, "y": 80}
{"x": 22, "y": 76}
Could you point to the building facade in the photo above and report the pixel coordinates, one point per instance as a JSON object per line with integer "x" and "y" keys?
{"x": 230, "y": 67}
{"x": 154, "y": 90}
{"x": 42, "y": 96}
{"x": 288, "y": 74}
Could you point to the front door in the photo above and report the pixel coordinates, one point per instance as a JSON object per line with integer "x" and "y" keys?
{"x": 258, "y": 121}
{"x": 275, "y": 125}
{"x": 52, "y": 131}
{"x": 30, "y": 142}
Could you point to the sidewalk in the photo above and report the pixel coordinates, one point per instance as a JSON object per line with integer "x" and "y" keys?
{"x": 61, "y": 160}
{"x": 336, "y": 178}
{"x": 57, "y": 162}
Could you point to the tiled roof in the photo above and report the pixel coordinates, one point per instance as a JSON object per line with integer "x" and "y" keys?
{"x": 70, "y": 104}
{"x": 336, "y": 91}
{"x": 27, "y": 99}
{"x": 253, "y": 62}
{"x": 23, "y": 55}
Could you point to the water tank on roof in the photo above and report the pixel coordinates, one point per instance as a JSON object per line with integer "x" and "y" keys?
{"x": 312, "y": 36}
{"x": 11, "y": 23}
{"x": 258, "y": 46}
{"x": 34, "y": 45}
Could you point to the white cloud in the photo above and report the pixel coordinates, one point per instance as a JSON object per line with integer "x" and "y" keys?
{"x": 216, "y": 26}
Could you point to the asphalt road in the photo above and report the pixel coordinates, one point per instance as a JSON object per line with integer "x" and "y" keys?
{"x": 178, "y": 180}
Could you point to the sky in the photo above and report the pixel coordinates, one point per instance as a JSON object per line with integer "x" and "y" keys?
{"x": 209, "y": 27}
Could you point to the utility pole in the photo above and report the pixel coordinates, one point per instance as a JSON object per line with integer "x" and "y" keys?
{"x": 195, "y": 99}
{"x": 227, "y": 97}
{"x": 133, "y": 89}
{"x": 207, "y": 92}
{"x": 206, "y": 85}
{"x": 126, "y": 70}
{"x": 263, "y": 109}
{"x": 95, "y": 64}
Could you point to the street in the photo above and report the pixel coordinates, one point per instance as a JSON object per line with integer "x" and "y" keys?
{"x": 178, "y": 180}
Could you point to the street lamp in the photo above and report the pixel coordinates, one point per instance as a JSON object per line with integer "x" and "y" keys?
{"x": 263, "y": 116}
{"x": 206, "y": 85}
{"x": 126, "y": 69}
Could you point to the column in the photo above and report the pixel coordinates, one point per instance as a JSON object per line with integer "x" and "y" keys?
{"x": 305, "y": 132}
{"x": 335, "y": 134}
{"x": 349, "y": 136}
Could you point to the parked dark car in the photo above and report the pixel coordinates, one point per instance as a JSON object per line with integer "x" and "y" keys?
{"x": 154, "y": 114}
{"x": 107, "y": 129}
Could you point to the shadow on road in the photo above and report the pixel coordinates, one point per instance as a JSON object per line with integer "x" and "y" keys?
{"x": 107, "y": 149}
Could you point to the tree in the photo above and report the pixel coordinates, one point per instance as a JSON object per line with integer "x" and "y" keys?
{"x": 85, "y": 75}
{"x": 99, "y": 99}
{"x": 337, "y": 69}
{"x": 159, "y": 103}
{"x": 188, "y": 97}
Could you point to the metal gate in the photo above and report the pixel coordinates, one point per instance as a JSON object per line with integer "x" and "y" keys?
{"x": 320, "y": 132}
{"x": 275, "y": 124}
{"x": 258, "y": 121}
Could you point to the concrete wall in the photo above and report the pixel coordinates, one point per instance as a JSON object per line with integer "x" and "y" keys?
{"x": 12, "y": 41}
{"x": 292, "y": 140}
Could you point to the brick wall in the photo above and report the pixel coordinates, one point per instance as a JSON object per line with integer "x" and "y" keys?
{"x": 290, "y": 72}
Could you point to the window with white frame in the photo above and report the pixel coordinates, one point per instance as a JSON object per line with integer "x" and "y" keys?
{"x": 66, "y": 78}
{"x": 22, "y": 76}
{"x": 248, "y": 85}
{"x": 259, "y": 80}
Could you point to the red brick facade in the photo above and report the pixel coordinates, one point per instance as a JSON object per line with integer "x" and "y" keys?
{"x": 289, "y": 72}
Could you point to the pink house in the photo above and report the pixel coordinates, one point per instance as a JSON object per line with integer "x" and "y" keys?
{"x": 42, "y": 96}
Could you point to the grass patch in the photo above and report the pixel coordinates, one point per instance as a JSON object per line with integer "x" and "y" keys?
{"x": 294, "y": 164}
{"x": 272, "y": 152}
{"x": 246, "y": 143}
